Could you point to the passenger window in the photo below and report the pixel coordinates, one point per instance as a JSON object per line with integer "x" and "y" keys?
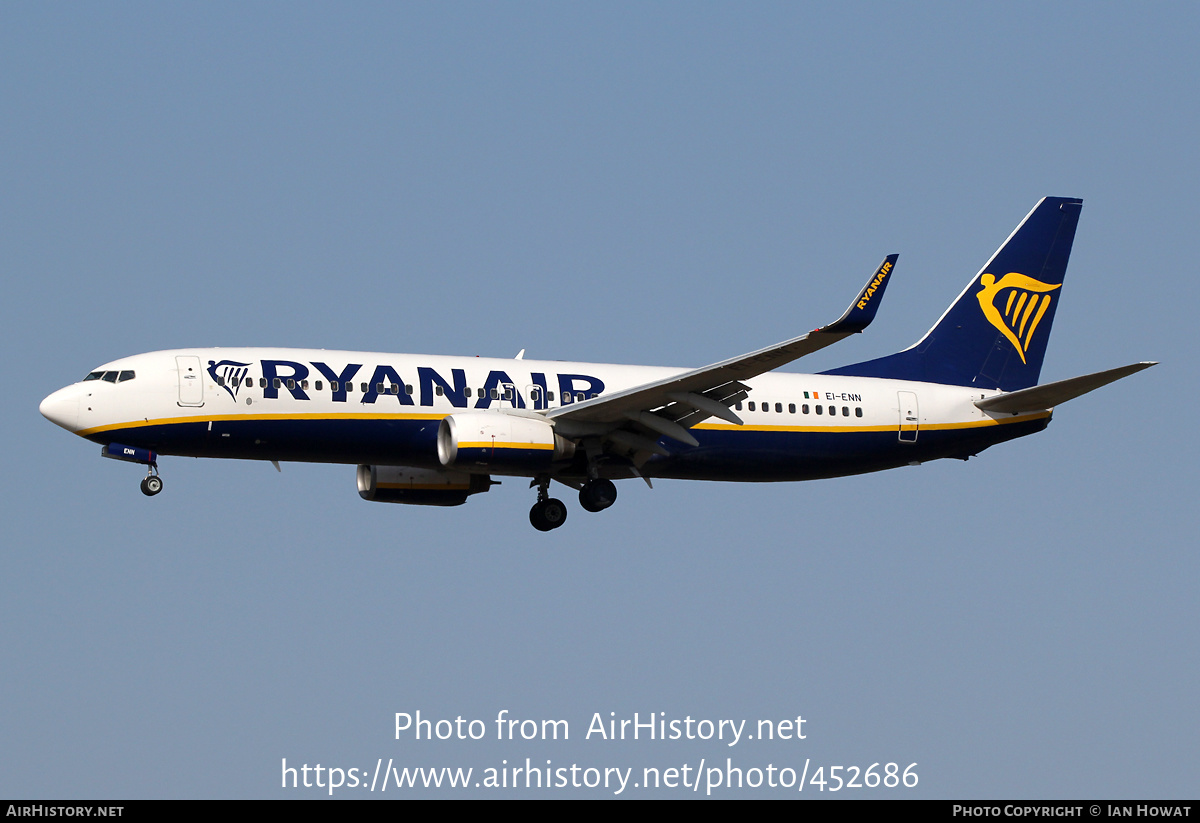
{"x": 220, "y": 380}
{"x": 438, "y": 391}
{"x": 291, "y": 384}
{"x": 318, "y": 385}
{"x": 495, "y": 394}
{"x": 394, "y": 388}
{"x": 333, "y": 385}
{"x": 467, "y": 391}
{"x": 791, "y": 408}
{"x": 262, "y": 382}
{"x": 818, "y": 410}
{"x": 845, "y": 411}
{"x": 751, "y": 404}
{"x": 379, "y": 388}
{"x": 779, "y": 408}
{"x": 408, "y": 389}
{"x": 738, "y": 405}
{"x": 366, "y": 387}
{"x": 304, "y": 384}
{"x": 277, "y": 383}
{"x": 858, "y": 411}
{"x": 549, "y": 395}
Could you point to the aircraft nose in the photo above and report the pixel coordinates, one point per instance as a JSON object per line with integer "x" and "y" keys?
{"x": 62, "y": 408}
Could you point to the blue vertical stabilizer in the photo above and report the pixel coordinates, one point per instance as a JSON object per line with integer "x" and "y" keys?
{"x": 994, "y": 335}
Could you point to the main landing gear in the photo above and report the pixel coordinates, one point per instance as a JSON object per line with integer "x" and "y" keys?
{"x": 547, "y": 513}
{"x": 598, "y": 494}
{"x": 152, "y": 484}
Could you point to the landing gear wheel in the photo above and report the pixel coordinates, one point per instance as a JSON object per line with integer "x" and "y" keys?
{"x": 548, "y": 514}
{"x": 597, "y": 495}
{"x": 151, "y": 485}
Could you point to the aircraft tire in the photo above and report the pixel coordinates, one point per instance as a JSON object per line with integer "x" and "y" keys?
{"x": 597, "y": 495}
{"x": 548, "y": 514}
{"x": 152, "y": 485}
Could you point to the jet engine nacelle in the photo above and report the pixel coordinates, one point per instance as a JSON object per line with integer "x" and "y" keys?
{"x": 418, "y": 487}
{"x": 498, "y": 442}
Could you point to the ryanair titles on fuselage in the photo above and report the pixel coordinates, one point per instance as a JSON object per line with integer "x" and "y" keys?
{"x": 291, "y": 377}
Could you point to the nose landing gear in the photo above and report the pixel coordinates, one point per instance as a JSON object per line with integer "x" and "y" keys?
{"x": 152, "y": 484}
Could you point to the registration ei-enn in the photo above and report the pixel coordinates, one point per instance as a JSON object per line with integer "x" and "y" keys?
{"x": 433, "y": 430}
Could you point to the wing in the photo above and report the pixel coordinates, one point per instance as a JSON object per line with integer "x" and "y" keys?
{"x": 636, "y": 417}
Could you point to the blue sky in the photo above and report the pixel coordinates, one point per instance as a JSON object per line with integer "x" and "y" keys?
{"x": 668, "y": 184}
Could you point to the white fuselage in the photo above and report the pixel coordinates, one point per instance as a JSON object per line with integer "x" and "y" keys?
{"x": 368, "y": 407}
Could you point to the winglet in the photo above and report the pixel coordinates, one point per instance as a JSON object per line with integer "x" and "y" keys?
{"x": 862, "y": 310}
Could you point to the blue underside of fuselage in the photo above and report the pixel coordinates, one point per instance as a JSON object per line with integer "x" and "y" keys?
{"x": 741, "y": 455}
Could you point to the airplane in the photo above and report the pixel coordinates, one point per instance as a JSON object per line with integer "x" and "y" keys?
{"x": 434, "y": 430}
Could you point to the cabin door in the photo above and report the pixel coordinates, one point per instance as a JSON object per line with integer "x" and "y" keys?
{"x": 508, "y": 396}
{"x": 191, "y": 381}
{"x": 537, "y": 397}
{"x": 910, "y": 418}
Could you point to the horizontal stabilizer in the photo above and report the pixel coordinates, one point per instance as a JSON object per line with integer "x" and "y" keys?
{"x": 1053, "y": 394}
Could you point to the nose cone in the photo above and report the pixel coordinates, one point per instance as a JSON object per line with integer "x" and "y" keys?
{"x": 62, "y": 408}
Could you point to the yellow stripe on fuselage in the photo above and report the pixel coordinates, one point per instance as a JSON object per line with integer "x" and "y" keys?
{"x": 970, "y": 424}
{"x": 224, "y": 418}
{"x": 219, "y": 418}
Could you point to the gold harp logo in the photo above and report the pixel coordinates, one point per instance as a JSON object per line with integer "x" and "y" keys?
{"x": 1024, "y": 306}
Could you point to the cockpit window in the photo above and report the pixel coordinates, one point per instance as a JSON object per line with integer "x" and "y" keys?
{"x": 96, "y": 375}
{"x": 125, "y": 375}
{"x": 109, "y": 377}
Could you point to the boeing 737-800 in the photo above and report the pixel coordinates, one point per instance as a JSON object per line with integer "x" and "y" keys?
{"x": 434, "y": 430}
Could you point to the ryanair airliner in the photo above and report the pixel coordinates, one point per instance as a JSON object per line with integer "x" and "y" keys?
{"x": 434, "y": 430}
